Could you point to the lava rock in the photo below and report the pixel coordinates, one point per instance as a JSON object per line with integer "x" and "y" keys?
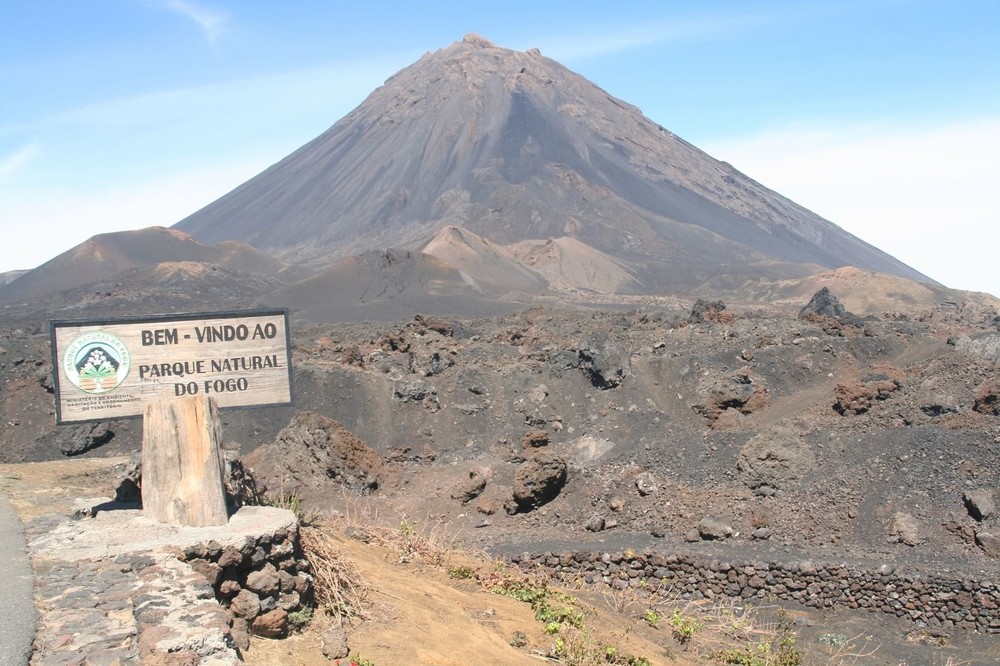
{"x": 539, "y": 480}
{"x": 246, "y": 605}
{"x": 315, "y": 452}
{"x": 774, "y": 459}
{"x": 985, "y": 346}
{"x": 595, "y": 524}
{"x": 979, "y": 503}
{"x": 906, "y": 528}
{"x": 240, "y": 633}
{"x": 604, "y": 362}
{"x": 487, "y": 507}
{"x": 264, "y": 582}
{"x": 711, "y": 528}
{"x": 273, "y": 624}
{"x": 84, "y": 437}
{"x": 935, "y": 399}
{"x": 534, "y": 439}
{"x": 441, "y": 326}
{"x": 738, "y": 392}
{"x": 645, "y": 483}
{"x": 709, "y": 311}
{"x": 334, "y": 641}
{"x": 469, "y": 489}
{"x": 416, "y": 390}
{"x": 128, "y": 478}
{"x": 857, "y": 397}
{"x": 824, "y": 304}
{"x": 228, "y": 588}
{"x": 988, "y": 398}
{"x": 989, "y": 544}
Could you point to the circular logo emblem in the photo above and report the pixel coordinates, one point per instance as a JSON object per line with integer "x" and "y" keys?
{"x": 96, "y": 362}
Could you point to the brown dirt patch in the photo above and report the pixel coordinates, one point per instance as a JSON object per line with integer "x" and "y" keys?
{"x": 420, "y": 614}
{"x": 38, "y": 489}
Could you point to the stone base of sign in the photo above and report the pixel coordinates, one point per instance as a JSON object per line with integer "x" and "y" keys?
{"x": 161, "y": 593}
{"x": 182, "y": 462}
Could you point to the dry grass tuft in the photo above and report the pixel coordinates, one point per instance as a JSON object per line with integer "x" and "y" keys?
{"x": 415, "y": 542}
{"x": 339, "y": 588}
{"x": 849, "y": 651}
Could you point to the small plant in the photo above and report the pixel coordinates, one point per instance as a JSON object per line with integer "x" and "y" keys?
{"x": 461, "y": 573}
{"x": 684, "y": 627}
{"x": 836, "y": 640}
{"x": 550, "y": 606}
{"x": 856, "y": 650}
{"x": 652, "y": 618}
{"x": 359, "y": 661}
{"x": 632, "y": 660}
{"x": 290, "y": 502}
{"x": 763, "y": 654}
{"x": 415, "y": 542}
{"x": 300, "y": 618}
{"x": 519, "y": 639}
{"x": 559, "y": 612}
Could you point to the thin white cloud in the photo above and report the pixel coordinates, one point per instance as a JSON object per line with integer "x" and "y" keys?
{"x": 351, "y": 79}
{"x": 14, "y": 162}
{"x": 926, "y": 195}
{"x": 578, "y": 46}
{"x": 709, "y": 25}
{"x": 212, "y": 23}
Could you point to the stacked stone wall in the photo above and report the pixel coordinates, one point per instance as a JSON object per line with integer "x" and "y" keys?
{"x": 930, "y": 600}
{"x": 260, "y": 583}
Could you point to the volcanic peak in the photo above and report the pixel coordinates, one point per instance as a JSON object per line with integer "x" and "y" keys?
{"x": 514, "y": 147}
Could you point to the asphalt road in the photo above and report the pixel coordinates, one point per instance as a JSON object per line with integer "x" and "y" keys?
{"x": 17, "y": 608}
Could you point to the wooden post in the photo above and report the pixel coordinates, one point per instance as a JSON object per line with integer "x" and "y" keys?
{"x": 182, "y": 462}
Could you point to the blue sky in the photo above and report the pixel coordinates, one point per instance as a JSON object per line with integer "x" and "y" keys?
{"x": 881, "y": 115}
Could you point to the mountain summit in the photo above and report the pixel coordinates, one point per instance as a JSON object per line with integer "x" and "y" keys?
{"x": 514, "y": 147}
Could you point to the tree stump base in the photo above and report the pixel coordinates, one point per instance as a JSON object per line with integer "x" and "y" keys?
{"x": 182, "y": 462}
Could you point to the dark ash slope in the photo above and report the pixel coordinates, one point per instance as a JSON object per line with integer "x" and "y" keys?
{"x": 514, "y": 146}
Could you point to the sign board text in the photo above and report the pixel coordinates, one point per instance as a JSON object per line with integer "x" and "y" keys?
{"x": 111, "y": 368}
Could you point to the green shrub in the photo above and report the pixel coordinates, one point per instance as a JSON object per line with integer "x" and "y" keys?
{"x": 300, "y": 618}
{"x": 684, "y": 626}
{"x": 461, "y": 573}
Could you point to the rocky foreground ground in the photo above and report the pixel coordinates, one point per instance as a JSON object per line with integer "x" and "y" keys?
{"x": 741, "y": 433}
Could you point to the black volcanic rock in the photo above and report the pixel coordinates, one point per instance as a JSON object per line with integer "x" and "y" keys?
{"x": 513, "y": 146}
{"x": 539, "y": 480}
{"x": 603, "y": 360}
{"x": 83, "y": 438}
{"x": 825, "y": 304}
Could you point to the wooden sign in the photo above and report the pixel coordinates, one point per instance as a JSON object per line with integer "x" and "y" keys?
{"x": 112, "y": 368}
